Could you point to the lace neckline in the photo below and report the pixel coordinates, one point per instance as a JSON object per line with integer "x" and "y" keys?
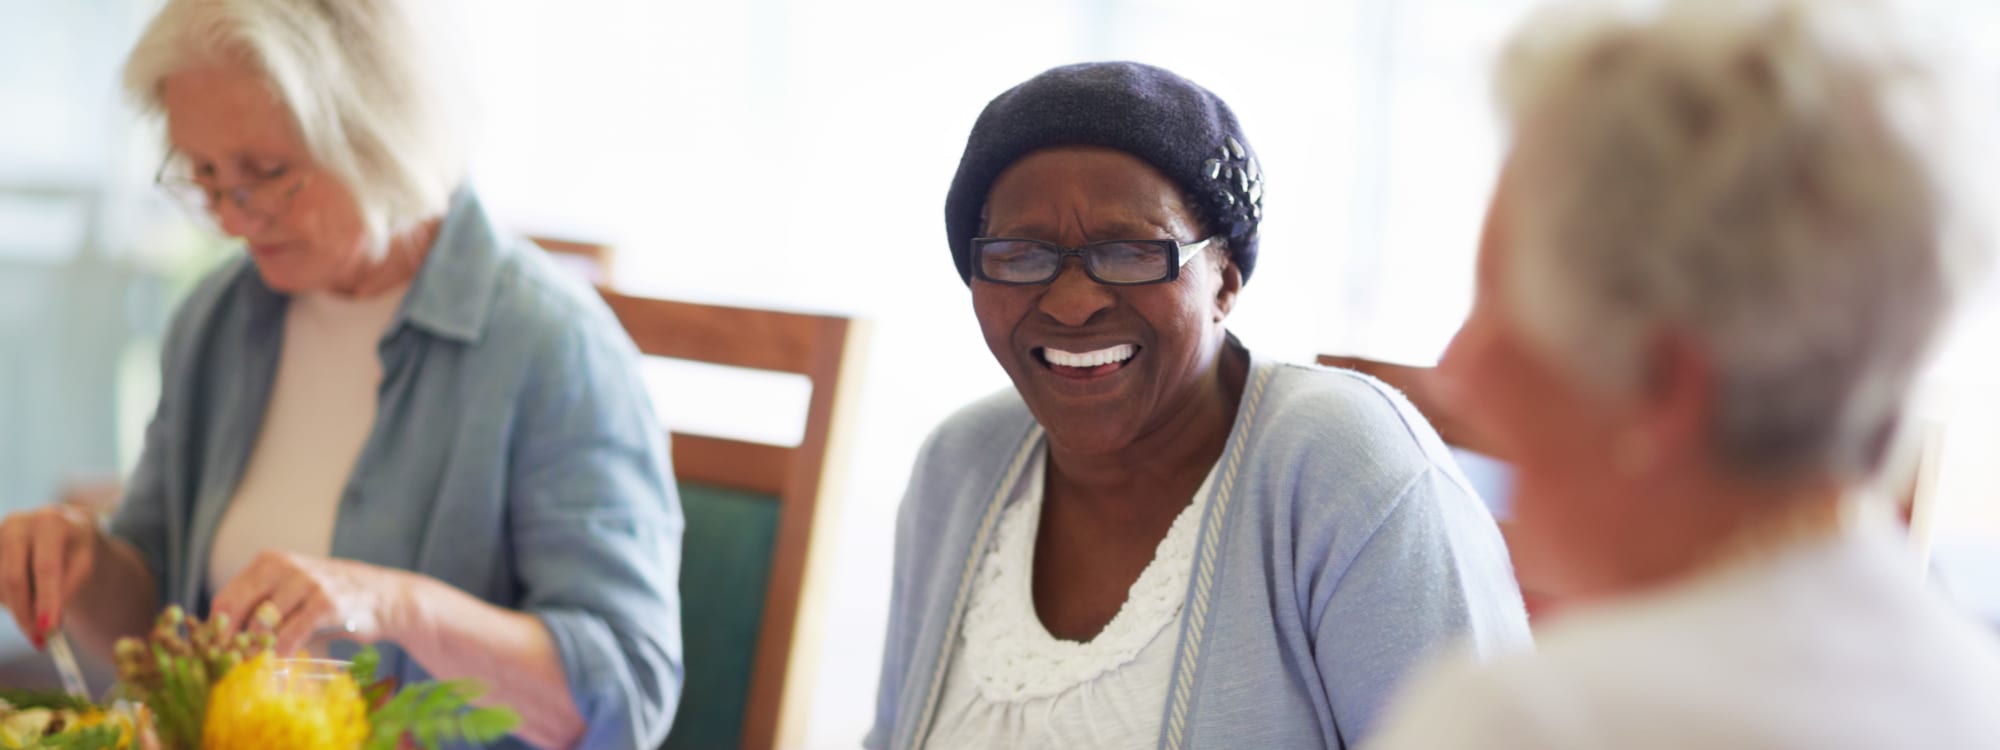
{"x": 1012, "y": 657}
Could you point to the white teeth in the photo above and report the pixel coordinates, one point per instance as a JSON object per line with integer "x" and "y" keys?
{"x": 1097, "y": 358}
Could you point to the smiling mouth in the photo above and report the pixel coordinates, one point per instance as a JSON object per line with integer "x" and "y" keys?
{"x": 1090, "y": 364}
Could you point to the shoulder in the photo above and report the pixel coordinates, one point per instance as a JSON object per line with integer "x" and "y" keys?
{"x": 966, "y": 452}
{"x": 994, "y": 423}
{"x": 1346, "y": 410}
{"x": 1456, "y": 701}
{"x": 217, "y": 295}
{"x": 960, "y": 463}
{"x": 218, "y": 287}
{"x": 551, "y": 314}
{"x": 1341, "y": 434}
{"x": 1606, "y": 675}
{"x": 1602, "y": 676}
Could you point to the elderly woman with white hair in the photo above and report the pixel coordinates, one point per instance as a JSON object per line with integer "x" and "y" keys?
{"x": 389, "y": 421}
{"x": 1713, "y": 265}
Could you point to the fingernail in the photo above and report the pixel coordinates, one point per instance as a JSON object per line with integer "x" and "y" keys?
{"x": 41, "y": 625}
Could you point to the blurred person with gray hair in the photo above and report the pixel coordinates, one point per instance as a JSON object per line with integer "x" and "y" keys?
{"x": 1716, "y": 259}
{"x": 389, "y": 420}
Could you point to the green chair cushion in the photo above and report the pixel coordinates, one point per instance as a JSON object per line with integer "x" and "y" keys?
{"x": 725, "y": 569}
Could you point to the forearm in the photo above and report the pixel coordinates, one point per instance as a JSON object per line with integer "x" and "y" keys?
{"x": 119, "y": 599}
{"x": 454, "y": 635}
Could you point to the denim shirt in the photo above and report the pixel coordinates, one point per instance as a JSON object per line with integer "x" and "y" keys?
{"x": 515, "y": 456}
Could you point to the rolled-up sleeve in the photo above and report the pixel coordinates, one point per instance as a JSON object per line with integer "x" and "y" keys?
{"x": 596, "y": 524}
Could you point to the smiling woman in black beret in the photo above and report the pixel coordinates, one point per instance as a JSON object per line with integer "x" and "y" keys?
{"x": 1157, "y": 538}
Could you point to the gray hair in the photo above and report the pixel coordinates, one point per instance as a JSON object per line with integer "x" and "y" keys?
{"x": 360, "y": 78}
{"x": 1741, "y": 172}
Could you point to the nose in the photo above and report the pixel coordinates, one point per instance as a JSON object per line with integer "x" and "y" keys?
{"x": 233, "y": 218}
{"x": 1447, "y": 379}
{"x": 1075, "y": 299}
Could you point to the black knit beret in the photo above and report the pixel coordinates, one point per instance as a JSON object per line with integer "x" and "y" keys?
{"x": 1178, "y": 127}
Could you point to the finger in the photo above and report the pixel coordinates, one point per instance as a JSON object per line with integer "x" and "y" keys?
{"x": 241, "y": 595}
{"x": 78, "y": 556}
{"x": 291, "y": 596}
{"x": 48, "y": 562}
{"x": 298, "y": 628}
{"x": 14, "y": 549}
{"x": 83, "y": 561}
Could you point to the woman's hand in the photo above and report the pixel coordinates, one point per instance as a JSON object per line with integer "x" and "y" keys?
{"x": 315, "y": 596}
{"x": 46, "y": 554}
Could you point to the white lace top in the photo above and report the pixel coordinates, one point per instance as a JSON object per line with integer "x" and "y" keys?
{"x": 1013, "y": 685}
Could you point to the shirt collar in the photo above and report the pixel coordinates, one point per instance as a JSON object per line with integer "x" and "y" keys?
{"x": 453, "y": 292}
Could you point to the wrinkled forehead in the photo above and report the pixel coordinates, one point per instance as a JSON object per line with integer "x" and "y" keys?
{"x": 222, "y": 110}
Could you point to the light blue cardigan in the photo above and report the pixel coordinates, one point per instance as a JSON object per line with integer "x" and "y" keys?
{"x": 1340, "y": 548}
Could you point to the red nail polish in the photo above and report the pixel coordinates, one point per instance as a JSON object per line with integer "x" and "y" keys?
{"x": 41, "y": 626}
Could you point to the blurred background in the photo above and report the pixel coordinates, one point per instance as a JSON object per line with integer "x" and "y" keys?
{"x": 794, "y": 154}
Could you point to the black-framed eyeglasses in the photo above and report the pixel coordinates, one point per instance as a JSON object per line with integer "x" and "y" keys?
{"x": 261, "y": 198}
{"x": 1008, "y": 260}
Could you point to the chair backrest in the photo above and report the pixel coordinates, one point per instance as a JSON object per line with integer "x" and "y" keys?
{"x": 590, "y": 260}
{"x": 750, "y": 510}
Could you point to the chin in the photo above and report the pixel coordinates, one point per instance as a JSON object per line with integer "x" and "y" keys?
{"x": 1086, "y": 433}
{"x": 282, "y": 279}
{"x": 1095, "y": 424}
{"x": 277, "y": 280}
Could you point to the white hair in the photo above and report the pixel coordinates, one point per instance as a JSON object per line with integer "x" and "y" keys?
{"x": 1743, "y": 173}
{"x": 361, "y": 78}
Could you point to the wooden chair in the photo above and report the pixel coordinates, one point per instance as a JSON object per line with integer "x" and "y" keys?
{"x": 590, "y": 260}
{"x": 750, "y": 511}
{"x": 750, "y": 507}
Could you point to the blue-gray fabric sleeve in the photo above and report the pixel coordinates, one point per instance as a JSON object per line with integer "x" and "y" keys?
{"x": 596, "y": 526}
{"x": 1432, "y": 574}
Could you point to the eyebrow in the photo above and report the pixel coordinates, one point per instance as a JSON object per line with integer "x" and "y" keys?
{"x": 1117, "y": 230}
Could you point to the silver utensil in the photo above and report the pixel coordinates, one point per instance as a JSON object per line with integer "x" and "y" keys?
{"x": 66, "y": 666}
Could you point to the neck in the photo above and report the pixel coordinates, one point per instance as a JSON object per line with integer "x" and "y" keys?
{"x": 396, "y": 267}
{"x": 1187, "y": 441}
{"x": 1711, "y": 525}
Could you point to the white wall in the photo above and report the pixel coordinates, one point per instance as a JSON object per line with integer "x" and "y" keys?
{"x": 795, "y": 153}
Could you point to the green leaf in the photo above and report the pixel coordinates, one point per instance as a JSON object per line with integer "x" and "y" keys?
{"x": 399, "y": 706}
{"x": 488, "y": 724}
{"x": 469, "y": 690}
{"x": 49, "y": 699}
{"x": 365, "y": 663}
{"x": 437, "y": 713}
{"x": 439, "y": 699}
{"x": 100, "y": 737}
